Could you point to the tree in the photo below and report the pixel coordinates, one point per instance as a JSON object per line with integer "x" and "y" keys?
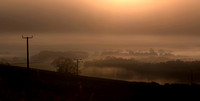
{"x": 65, "y": 65}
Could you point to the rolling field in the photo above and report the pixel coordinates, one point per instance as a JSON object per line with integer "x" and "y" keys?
{"x": 40, "y": 85}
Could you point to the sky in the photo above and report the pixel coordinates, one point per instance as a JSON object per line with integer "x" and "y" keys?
{"x": 100, "y": 24}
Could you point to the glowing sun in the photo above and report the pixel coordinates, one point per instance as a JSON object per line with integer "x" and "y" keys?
{"x": 127, "y": 2}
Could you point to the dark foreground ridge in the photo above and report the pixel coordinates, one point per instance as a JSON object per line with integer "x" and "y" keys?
{"x": 40, "y": 85}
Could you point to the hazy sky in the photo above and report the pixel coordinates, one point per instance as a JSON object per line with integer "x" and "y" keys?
{"x": 101, "y": 23}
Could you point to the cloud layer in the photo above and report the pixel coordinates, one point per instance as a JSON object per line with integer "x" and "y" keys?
{"x": 84, "y": 16}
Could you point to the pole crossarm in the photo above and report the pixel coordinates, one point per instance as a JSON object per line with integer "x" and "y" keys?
{"x": 25, "y": 37}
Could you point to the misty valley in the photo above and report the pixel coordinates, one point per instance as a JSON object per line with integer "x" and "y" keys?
{"x": 161, "y": 66}
{"x": 99, "y": 50}
{"x": 114, "y": 75}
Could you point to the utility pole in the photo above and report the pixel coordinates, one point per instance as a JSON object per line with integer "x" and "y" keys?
{"x": 27, "y": 39}
{"x": 77, "y": 62}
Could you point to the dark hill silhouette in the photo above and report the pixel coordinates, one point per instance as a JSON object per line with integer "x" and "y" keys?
{"x": 52, "y": 86}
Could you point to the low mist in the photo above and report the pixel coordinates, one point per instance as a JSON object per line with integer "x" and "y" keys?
{"x": 132, "y": 70}
{"x": 151, "y": 65}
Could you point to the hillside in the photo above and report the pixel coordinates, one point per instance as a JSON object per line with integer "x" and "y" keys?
{"x": 16, "y": 84}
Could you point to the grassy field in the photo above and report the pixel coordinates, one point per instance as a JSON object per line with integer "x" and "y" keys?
{"x": 40, "y": 85}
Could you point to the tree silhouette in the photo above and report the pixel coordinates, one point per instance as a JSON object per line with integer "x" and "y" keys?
{"x": 65, "y": 65}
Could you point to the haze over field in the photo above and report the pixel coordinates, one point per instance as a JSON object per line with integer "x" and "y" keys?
{"x": 102, "y": 26}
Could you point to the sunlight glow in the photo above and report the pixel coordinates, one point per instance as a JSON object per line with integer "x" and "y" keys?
{"x": 128, "y": 2}
{"x": 127, "y": 5}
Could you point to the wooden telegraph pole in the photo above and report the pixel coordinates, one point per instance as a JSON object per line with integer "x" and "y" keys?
{"x": 27, "y": 42}
{"x": 77, "y": 62}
